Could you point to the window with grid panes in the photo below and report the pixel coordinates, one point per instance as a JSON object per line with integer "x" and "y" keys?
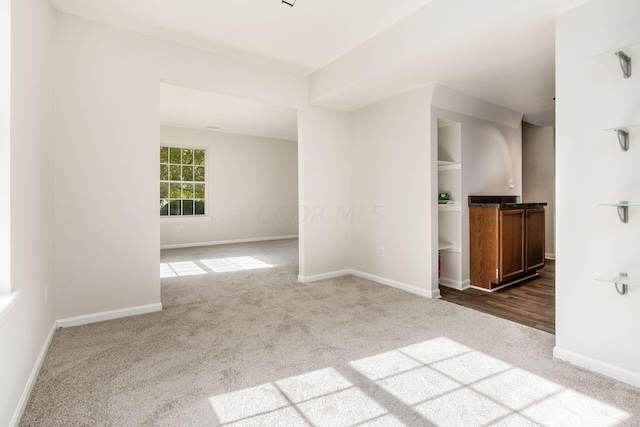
{"x": 182, "y": 181}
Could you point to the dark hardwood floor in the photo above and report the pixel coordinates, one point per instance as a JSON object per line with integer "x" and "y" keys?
{"x": 531, "y": 303}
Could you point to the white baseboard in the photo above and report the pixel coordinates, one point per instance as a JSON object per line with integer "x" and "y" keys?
{"x": 108, "y": 315}
{"x": 460, "y": 285}
{"x": 227, "y": 242}
{"x": 604, "y": 368}
{"x": 506, "y": 285}
{"x": 399, "y": 285}
{"x": 26, "y": 393}
{"x": 329, "y": 275}
{"x": 373, "y": 278}
{"x": 551, "y": 257}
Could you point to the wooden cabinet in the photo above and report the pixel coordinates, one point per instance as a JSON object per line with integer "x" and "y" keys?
{"x": 535, "y": 238}
{"x": 505, "y": 244}
{"x": 511, "y": 233}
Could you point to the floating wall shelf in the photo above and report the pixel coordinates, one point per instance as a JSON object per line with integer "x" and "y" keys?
{"x": 623, "y": 134}
{"x": 623, "y": 56}
{"x": 621, "y": 281}
{"x": 623, "y": 209}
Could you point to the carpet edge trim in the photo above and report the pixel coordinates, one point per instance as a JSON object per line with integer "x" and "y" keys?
{"x": 31, "y": 382}
{"x": 108, "y": 315}
{"x": 598, "y": 366}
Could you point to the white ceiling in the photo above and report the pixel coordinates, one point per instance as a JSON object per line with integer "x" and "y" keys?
{"x": 501, "y": 51}
{"x": 299, "y": 39}
{"x": 189, "y": 108}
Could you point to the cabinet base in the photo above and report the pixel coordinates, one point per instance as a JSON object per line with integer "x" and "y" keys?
{"x": 498, "y": 286}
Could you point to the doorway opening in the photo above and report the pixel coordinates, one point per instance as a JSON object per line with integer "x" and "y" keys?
{"x": 228, "y": 187}
{"x": 530, "y": 302}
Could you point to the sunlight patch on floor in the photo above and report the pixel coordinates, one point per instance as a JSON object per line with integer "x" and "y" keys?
{"x": 440, "y": 381}
{"x": 166, "y": 271}
{"x": 219, "y": 265}
{"x": 185, "y": 268}
{"x": 448, "y": 383}
{"x": 318, "y": 398}
{"x": 224, "y": 265}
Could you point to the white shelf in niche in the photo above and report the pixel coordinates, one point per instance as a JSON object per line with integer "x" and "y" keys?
{"x": 444, "y": 165}
{"x": 449, "y": 247}
{"x": 450, "y": 207}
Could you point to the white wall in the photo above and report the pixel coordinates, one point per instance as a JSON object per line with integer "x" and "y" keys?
{"x": 107, "y": 135}
{"x": 539, "y": 175}
{"x": 491, "y": 154}
{"x": 5, "y": 144}
{"x": 324, "y": 191}
{"x": 252, "y": 187}
{"x": 391, "y": 185}
{"x": 24, "y": 333}
{"x": 392, "y": 179}
{"x": 596, "y": 327}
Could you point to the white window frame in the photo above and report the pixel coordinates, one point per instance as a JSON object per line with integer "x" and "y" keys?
{"x": 188, "y": 218}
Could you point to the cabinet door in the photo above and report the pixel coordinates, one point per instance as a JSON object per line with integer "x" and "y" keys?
{"x": 484, "y": 246}
{"x": 512, "y": 233}
{"x": 535, "y": 238}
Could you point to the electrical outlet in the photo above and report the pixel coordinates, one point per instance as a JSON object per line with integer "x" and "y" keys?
{"x": 381, "y": 251}
{"x": 180, "y": 229}
{"x": 511, "y": 184}
{"x": 46, "y": 294}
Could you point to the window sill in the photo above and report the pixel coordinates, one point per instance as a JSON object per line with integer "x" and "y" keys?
{"x": 186, "y": 219}
{"x": 7, "y": 304}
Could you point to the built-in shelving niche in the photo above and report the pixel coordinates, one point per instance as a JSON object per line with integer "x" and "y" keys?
{"x": 450, "y": 213}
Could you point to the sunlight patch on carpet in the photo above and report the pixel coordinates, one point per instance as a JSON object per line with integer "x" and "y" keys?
{"x": 448, "y": 383}
{"x": 175, "y": 269}
{"x": 225, "y": 265}
{"x": 219, "y": 265}
{"x": 440, "y": 381}
{"x": 318, "y": 398}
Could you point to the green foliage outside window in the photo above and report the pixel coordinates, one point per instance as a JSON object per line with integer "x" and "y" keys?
{"x": 182, "y": 181}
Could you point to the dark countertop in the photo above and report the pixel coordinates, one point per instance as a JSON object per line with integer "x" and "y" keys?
{"x": 508, "y": 205}
{"x": 502, "y": 202}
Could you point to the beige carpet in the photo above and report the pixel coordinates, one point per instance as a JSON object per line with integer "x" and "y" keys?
{"x": 241, "y": 342}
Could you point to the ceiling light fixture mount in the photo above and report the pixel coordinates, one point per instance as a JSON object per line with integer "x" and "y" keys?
{"x": 289, "y": 3}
